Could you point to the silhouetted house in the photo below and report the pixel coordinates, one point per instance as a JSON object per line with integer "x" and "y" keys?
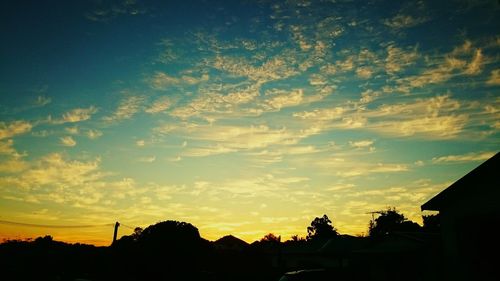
{"x": 470, "y": 214}
{"x": 229, "y": 242}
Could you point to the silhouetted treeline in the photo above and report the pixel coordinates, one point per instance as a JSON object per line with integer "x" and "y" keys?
{"x": 173, "y": 250}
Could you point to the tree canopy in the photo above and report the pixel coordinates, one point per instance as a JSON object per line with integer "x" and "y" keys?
{"x": 321, "y": 228}
{"x": 391, "y": 221}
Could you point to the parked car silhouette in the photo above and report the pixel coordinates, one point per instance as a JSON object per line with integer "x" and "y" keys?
{"x": 307, "y": 275}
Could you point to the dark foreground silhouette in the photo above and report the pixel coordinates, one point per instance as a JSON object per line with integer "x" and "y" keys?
{"x": 457, "y": 244}
{"x": 172, "y": 250}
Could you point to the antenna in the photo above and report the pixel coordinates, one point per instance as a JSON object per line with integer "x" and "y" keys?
{"x": 373, "y": 214}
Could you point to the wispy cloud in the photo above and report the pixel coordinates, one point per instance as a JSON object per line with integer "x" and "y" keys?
{"x": 11, "y": 129}
{"x": 494, "y": 77}
{"x": 275, "y": 68}
{"x": 55, "y": 170}
{"x": 162, "y": 81}
{"x": 349, "y": 168}
{"x": 75, "y": 115}
{"x": 435, "y": 117}
{"x": 401, "y": 21}
{"x": 279, "y": 99}
{"x": 364, "y": 72}
{"x": 42, "y": 101}
{"x": 93, "y": 134}
{"x": 147, "y": 159}
{"x": 398, "y": 59}
{"x": 361, "y": 143}
{"x": 469, "y": 157}
{"x": 106, "y": 11}
{"x": 126, "y": 109}
{"x": 72, "y": 130}
{"x": 11, "y": 161}
{"x": 67, "y": 141}
{"x": 160, "y": 105}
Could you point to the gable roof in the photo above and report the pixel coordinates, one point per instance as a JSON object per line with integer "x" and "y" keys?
{"x": 481, "y": 179}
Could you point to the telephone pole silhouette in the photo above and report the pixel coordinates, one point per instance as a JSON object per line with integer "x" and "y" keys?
{"x": 117, "y": 224}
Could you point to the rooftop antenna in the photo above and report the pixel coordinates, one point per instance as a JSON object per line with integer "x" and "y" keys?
{"x": 373, "y": 214}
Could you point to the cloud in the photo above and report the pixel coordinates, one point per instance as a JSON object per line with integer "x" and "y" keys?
{"x": 321, "y": 114}
{"x": 341, "y": 186}
{"x": 67, "y": 141}
{"x": 437, "y": 117}
{"x": 216, "y": 139}
{"x": 160, "y": 105}
{"x": 12, "y": 165}
{"x": 54, "y": 170}
{"x": 274, "y": 68}
{"x": 147, "y": 159}
{"x": 127, "y": 108}
{"x": 444, "y": 67}
{"x": 494, "y": 77}
{"x": 469, "y": 157}
{"x": 75, "y": 115}
{"x": 361, "y": 143}
{"x": 72, "y": 130}
{"x": 401, "y": 21}
{"x": 352, "y": 168}
{"x": 207, "y": 151}
{"x": 10, "y": 159}
{"x": 474, "y": 67}
{"x": 42, "y": 101}
{"x": 266, "y": 186}
{"x": 106, "y": 11}
{"x": 433, "y": 117}
{"x": 219, "y": 101}
{"x": 345, "y": 65}
{"x": 14, "y": 128}
{"x": 279, "y": 99}
{"x": 364, "y": 72}
{"x": 162, "y": 81}
{"x": 6, "y": 147}
{"x": 397, "y": 59}
{"x": 93, "y": 134}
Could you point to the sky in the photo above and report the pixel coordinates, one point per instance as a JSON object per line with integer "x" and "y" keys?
{"x": 240, "y": 117}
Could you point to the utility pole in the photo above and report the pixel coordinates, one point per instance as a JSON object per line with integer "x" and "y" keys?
{"x": 117, "y": 224}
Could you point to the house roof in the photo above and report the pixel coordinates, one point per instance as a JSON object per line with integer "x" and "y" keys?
{"x": 229, "y": 241}
{"x": 482, "y": 179}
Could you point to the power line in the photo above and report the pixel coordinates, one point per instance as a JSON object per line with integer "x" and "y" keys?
{"x": 128, "y": 226}
{"x": 54, "y": 226}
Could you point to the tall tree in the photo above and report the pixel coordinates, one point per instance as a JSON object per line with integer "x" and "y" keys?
{"x": 391, "y": 221}
{"x": 321, "y": 228}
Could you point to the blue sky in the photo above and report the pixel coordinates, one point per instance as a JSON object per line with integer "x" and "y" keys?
{"x": 241, "y": 117}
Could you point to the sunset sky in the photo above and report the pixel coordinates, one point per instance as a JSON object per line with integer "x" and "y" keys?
{"x": 241, "y": 118}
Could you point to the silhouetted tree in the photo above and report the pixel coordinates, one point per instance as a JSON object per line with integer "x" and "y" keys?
{"x": 297, "y": 238}
{"x": 391, "y": 221}
{"x": 137, "y": 233}
{"x": 321, "y": 228}
{"x": 271, "y": 238}
{"x": 432, "y": 223}
{"x": 170, "y": 235}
